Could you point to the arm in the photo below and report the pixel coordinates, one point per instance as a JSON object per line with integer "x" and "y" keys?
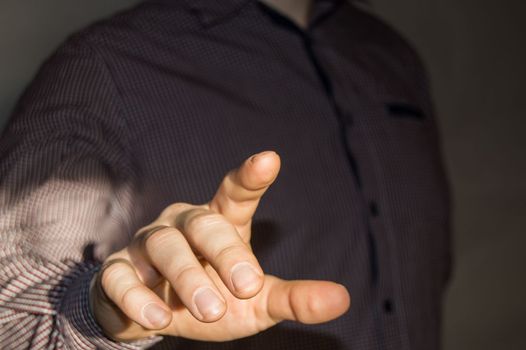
{"x": 66, "y": 185}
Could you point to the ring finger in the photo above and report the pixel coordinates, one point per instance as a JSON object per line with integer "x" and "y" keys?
{"x": 170, "y": 253}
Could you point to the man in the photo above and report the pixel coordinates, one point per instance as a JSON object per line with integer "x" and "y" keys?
{"x": 129, "y": 127}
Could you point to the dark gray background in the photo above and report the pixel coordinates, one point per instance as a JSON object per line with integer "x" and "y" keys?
{"x": 475, "y": 51}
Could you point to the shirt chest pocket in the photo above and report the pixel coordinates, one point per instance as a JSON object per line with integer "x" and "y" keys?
{"x": 406, "y": 151}
{"x": 411, "y": 165}
{"x": 404, "y": 110}
{"x": 407, "y": 132}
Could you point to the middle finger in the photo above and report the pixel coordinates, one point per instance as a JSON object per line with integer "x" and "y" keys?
{"x": 218, "y": 241}
{"x": 170, "y": 253}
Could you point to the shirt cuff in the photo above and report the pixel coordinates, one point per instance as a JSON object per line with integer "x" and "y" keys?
{"x": 79, "y": 328}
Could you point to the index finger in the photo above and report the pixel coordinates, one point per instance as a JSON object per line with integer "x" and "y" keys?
{"x": 238, "y": 195}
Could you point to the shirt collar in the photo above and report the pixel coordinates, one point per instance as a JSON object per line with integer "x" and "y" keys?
{"x": 211, "y": 12}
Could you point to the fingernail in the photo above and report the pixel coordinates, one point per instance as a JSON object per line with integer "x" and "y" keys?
{"x": 244, "y": 277}
{"x": 208, "y": 303}
{"x": 156, "y": 315}
{"x": 259, "y": 155}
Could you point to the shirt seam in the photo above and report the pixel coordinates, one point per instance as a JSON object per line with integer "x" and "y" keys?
{"x": 129, "y": 136}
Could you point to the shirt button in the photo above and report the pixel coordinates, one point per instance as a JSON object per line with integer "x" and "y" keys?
{"x": 388, "y": 306}
{"x": 373, "y": 208}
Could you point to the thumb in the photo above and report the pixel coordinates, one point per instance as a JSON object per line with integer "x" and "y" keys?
{"x": 305, "y": 301}
{"x": 240, "y": 191}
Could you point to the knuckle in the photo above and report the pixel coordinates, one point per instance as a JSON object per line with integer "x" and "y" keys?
{"x": 174, "y": 208}
{"x": 315, "y": 306}
{"x": 230, "y": 252}
{"x": 160, "y": 237}
{"x": 185, "y": 272}
{"x": 126, "y": 299}
{"x": 204, "y": 221}
{"x": 111, "y": 275}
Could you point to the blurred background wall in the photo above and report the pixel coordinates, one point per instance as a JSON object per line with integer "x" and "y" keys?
{"x": 476, "y": 53}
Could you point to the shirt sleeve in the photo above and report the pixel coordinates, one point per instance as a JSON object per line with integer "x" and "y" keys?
{"x": 67, "y": 189}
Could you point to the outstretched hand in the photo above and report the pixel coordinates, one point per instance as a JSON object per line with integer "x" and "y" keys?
{"x": 192, "y": 273}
